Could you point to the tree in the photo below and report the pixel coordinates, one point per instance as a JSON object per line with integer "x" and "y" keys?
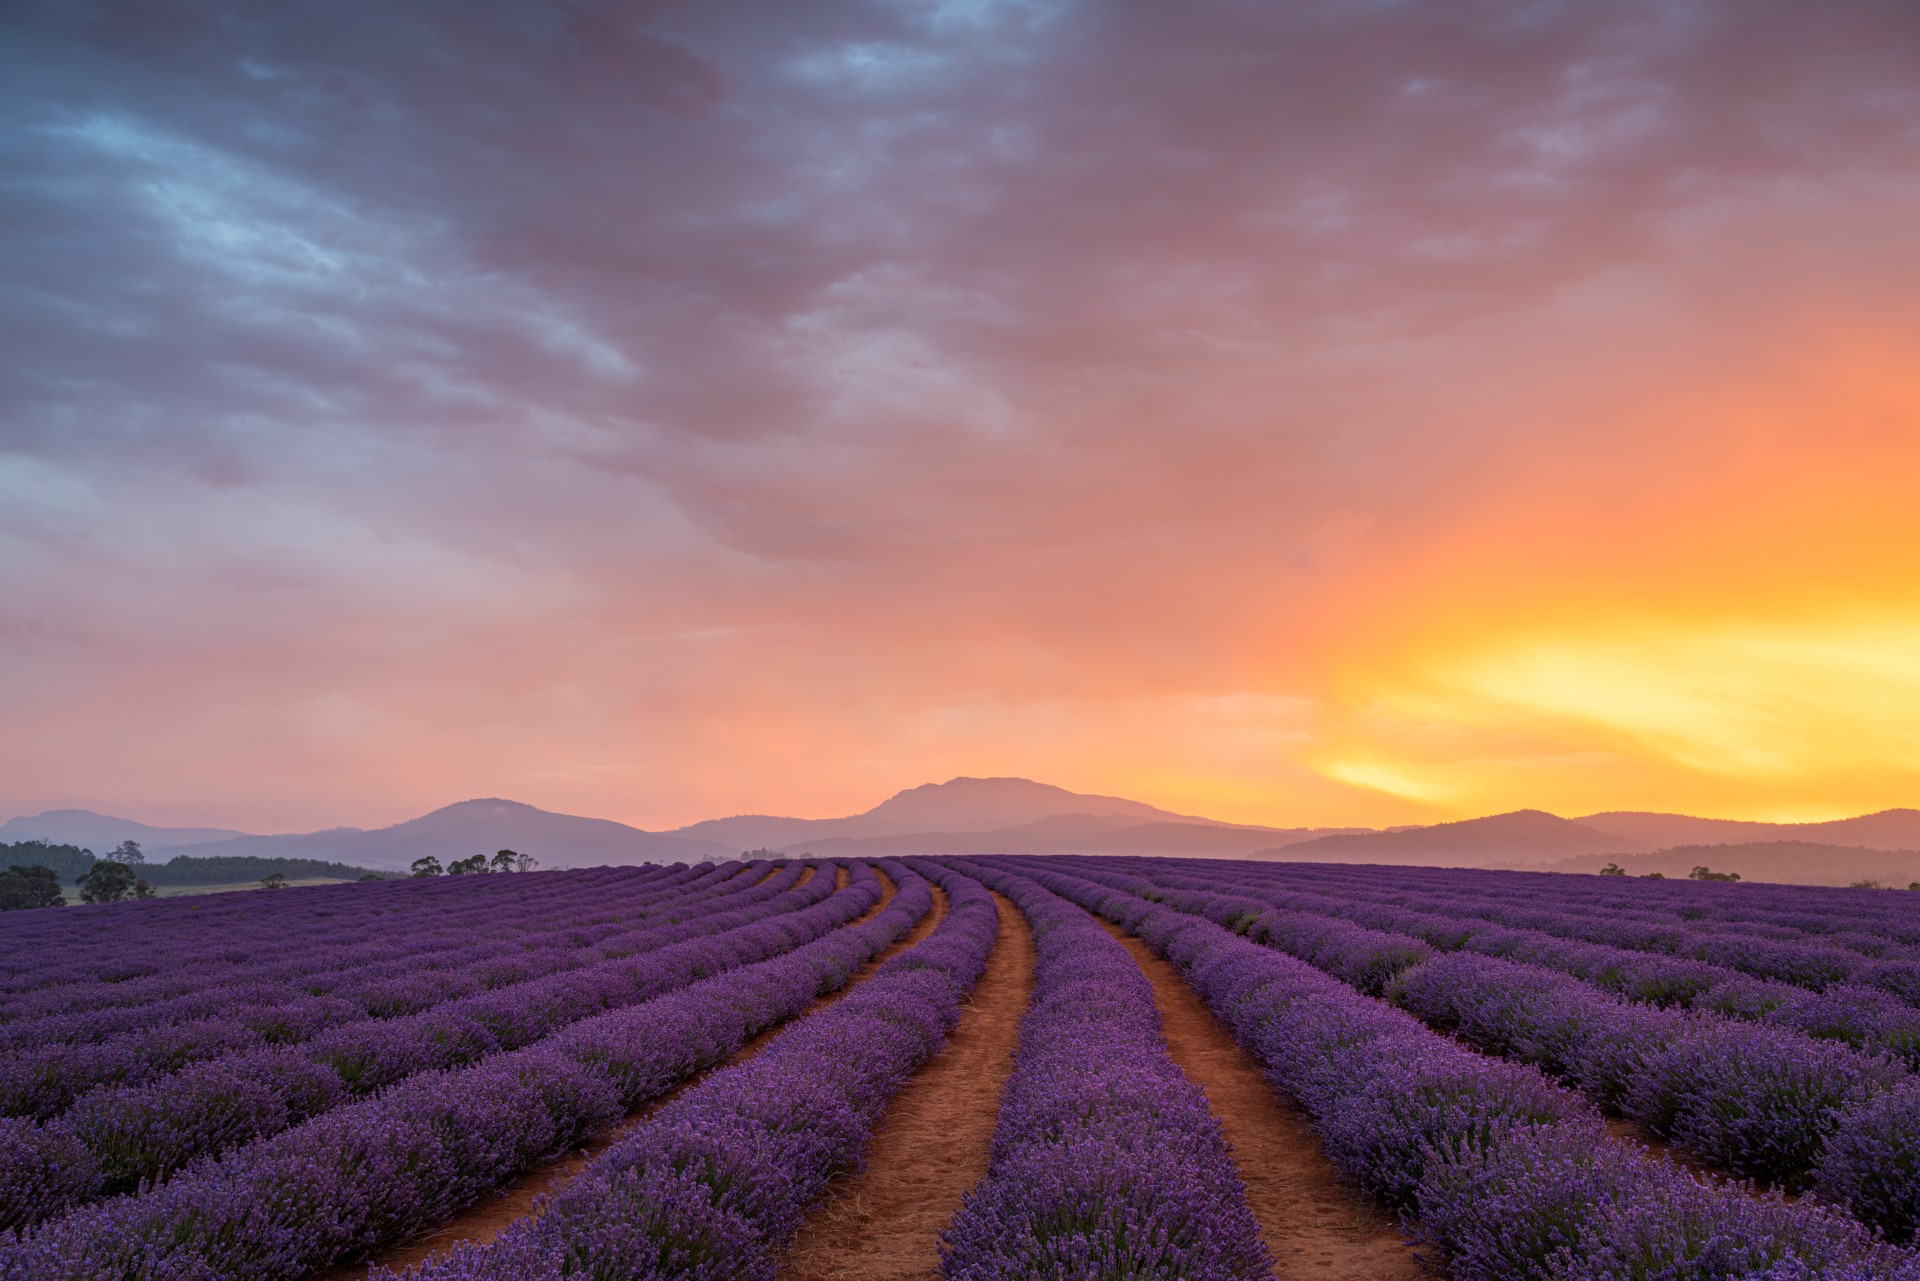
{"x": 25, "y": 887}
{"x": 510, "y": 861}
{"x": 1654, "y": 876}
{"x": 1866, "y": 883}
{"x": 273, "y": 881}
{"x": 111, "y": 881}
{"x": 428, "y": 866}
{"x": 67, "y": 861}
{"x": 461, "y": 867}
{"x": 373, "y": 876}
{"x": 1708, "y": 874}
{"x": 1613, "y": 869}
{"x": 127, "y": 852}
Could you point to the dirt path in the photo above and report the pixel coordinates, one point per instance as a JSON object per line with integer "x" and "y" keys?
{"x": 487, "y": 1219}
{"x": 1316, "y": 1227}
{"x": 884, "y": 1223}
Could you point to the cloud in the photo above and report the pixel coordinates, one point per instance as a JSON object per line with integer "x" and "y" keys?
{"x": 658, "y": 407}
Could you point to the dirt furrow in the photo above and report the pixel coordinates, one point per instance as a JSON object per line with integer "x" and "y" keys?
{"x": 487, "y": 1219}
{"x": 1315, "y": 1226}
{"x": 884, "y": 1223}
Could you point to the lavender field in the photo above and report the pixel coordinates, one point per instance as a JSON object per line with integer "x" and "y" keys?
{"x": 980, "y": 1068}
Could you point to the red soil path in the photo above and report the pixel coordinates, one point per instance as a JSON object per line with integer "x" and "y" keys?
{"x": 884, "y": 1223}
{"x": 1316, "y": 1226}
{"x": 516, "y": 1200}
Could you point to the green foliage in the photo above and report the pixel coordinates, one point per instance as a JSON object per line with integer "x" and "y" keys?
{"x": 1613, "y": 869}
{"x": 68, "y": 862}
{"x": 127, "y": 852}
{"x": 1708, "y": 874}
{"x": 233, "y": 869}
{"x": 428, "y": 866}
{"x": 461, "y": 867}
{"x": 273, "y": 881}
{"x": 26, "y": 887}
{"x": 112, "y": 882}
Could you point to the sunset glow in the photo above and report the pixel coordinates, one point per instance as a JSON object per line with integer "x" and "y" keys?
{"x": 1295, "y": 414}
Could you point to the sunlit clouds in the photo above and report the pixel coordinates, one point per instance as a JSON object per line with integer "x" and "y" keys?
{"x": 1300, "y": 413}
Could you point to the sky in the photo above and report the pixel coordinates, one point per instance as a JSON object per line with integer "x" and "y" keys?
{"x": 1299, "y": 412}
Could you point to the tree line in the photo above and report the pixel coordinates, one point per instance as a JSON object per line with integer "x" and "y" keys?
{"x": 38, "y": 871}
{"x": 502, "y": 861}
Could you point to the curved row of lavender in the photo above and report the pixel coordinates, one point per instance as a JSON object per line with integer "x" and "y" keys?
{"x": 149, "y": 955}
{"x": 716, "y": 1184}
{"x": 42, "y": 1081}
{"x": 1757, "y": 1101}
{"x": 1762, "y": 1102}
{"x": 382, "y": 964}
{"x": 1106, "y": 1161}
{"x": 1873, "y": 925}
{"x": 1806, "y": 961}
{"x": 371, "y": 1173}
{"x": 118, "y": 1139}
{"x": 1507, "y": 1176}
{"x": 1650, "y": 954}
{"x": 1866, "y": 1018}
{"x": 261, "y": 965}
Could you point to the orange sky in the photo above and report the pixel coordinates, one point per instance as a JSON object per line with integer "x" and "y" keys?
{"x": 1294, "y": 418}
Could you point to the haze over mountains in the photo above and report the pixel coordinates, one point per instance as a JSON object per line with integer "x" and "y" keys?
{"x": 1011, "y": 815}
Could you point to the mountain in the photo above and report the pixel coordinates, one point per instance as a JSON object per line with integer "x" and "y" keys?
{"x": 476, "y": 827}
{"x": 957, "y": 805}
{"x": 1530, "y": 836}
{"x": 1897, "y": 829}
{"x": 1068, "y": 834}
{"x": 102, "y": 832}
{"x": 1792, "y": 862}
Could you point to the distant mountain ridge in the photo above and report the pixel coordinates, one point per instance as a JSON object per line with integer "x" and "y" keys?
{"x": 1532, "y": 835}
{"x": 1019, "y": 816}
{"x": 1896, "y": 829}
{"x": 1796, "y": 862}
{"x": 102, "y": 832}
{"x": 957, "y": 805}
{"x": 476, "y": 827}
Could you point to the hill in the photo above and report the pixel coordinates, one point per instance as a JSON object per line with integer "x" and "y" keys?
{"x": 1066, "y": 834}
{"x": 102, "y": 832}
{"x": 1788, "y": 862}
{"x": 1897, "y": 829}
{"x": 978, "y": 805}
{"x": 1530, "y": 836}
{"x": 475, "y": 827}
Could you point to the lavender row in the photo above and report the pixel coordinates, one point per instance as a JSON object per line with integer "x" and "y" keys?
{"x": 44, "y": 1082}
{"x": 275, "y": 959}
{"x": 1874, "y": 924}
{"x": 145, "y": 945}
{"x": 1868, "y": 1019}
{"x": 276, "y": 1000}
{"x": 1811, "y": 910}
{"x": 1106, "y": 1160}
{"x": 365, "y": 1176}
{"x": 1809, "y": 964}
{"x": 273, "y": 956}
{"x": 1506, "y": 1176}
{"x": 116, "y": 1140}
{"x": 1764, "y": 1103}
{"x": 715, "y": 1185}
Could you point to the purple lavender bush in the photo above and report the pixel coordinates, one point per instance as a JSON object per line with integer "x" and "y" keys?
{"x": 1106, "y": 1160}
